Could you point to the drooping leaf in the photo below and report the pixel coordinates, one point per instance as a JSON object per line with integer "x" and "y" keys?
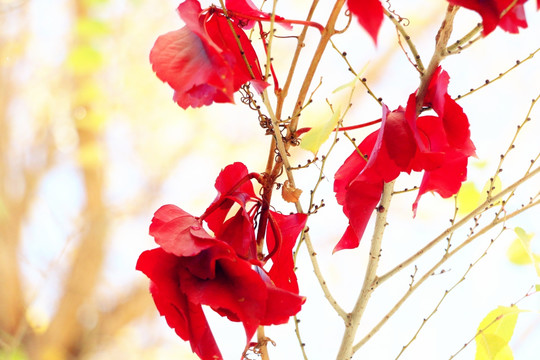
{"x": 318, "y": 134}
{"x": 494, "y": 334}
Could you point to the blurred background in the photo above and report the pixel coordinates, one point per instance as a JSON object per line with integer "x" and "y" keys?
{"x": 91, "y": 144}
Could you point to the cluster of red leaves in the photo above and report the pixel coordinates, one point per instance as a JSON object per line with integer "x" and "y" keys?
{"x": 438, "y": 145}
{"x": 191, "y": 268}
{"x": 202, "y": 61}
{"x": 508, "y": 14}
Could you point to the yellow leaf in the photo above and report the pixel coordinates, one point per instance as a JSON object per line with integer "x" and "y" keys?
{"x": 494, "y": 334}
{"x": 319, "y": 133}
{"x": 520, "y": 252}
{"x": 468, "y": 198}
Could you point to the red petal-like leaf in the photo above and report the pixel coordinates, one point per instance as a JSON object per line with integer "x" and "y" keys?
{"x": 281, "y": 305}
{"x": 246, "y": 7}
{"x": 446, "y": 180}
{"x": 514, "y": 19}
{"x": 185, "y": 317}
{"x": 229, "y": 178}
{"x": 202, "y": 61}
{"x": 492, "y": 13}
{"x": 178, "y": 232}
{"x": 234, "y": 187}
{"x": 239, "y": 233}
{"x": 282, "y": 271}
{"x": 236, "y": 291}
{"x": 220, "y": 32}
{"x": 359, "y": 193}
{"x": 196, "y": 72}
{"x": 455, "y": 122}
{"x": 352, "y": 166}
{"x": 362, "y": 199}
{"x": 399, "y": 139}
{"x": 369, "y": 13}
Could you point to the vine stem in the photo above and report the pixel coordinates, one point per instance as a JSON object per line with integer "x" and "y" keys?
{"x": 283, "y": 155}
{"x": 262, "y": 340}
{"x": 346, "y": 348}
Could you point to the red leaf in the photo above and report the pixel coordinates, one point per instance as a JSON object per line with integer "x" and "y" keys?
{"x": 362, "y": 199}
{"x": 445, "y": 180}
{"x": 282, "y": 271}
{"x": 492, "y": 14}
{"x": 514, "y": 19}
{"x": 281, "y": 305}
{"x": 178, "y": 232}
{"x": 455, "y": 122}
{"x": 236, "y": 291}
{"x": 349, "y": 240}
{"x": 192, "y": 268}
{"x": 369, "y": 14}
{"x": 439, "y": 145}
{"x": 246, "y": 7}
{"x": 234, "y": 187}
{"x": 350, "y": 169}
{"x": 185, "y": 317}
{"x": 443, "y": 141}
{"x": 239, "y": 233}
{"x": 229, "y": 178}
{"x": 358, "y": 192}
{"x": 202, "y": 61}
{"x": 399, "y": 139}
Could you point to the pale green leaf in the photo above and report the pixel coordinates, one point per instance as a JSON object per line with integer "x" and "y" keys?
{"x": 494, "y": 334}
{"x": 319, "y": 133}
{"x": 353, "y": 82}
{"x": 537, "y": 287}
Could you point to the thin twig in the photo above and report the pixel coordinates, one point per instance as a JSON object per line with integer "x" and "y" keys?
{"x": 488, "y": 82}
{"x": 418, "y": 61}
{"x": 428, "y": 273}
{"x": 481, "y": 208}
{"x": 346, "y": 350}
